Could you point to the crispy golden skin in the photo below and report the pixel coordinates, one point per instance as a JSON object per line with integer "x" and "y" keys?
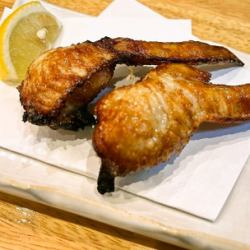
{"x": 144, "y": 124}
{"x": 61, "y": 82}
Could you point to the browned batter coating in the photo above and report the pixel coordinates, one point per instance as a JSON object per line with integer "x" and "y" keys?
{"x": 61, "y": 82}
{"x": 144, "y": 124}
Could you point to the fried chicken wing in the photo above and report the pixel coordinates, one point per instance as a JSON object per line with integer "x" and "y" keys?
{"x": 144, "y": 124}
{"x": 61, "y": 82}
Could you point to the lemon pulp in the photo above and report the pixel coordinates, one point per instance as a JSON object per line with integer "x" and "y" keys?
{"x": 31, "y": 45}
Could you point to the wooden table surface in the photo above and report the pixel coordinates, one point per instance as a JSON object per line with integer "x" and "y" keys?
{"x": 28, "y": 225}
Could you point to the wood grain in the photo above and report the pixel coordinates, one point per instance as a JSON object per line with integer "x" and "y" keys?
{"x": 42, "y": 227}
{"x": 226, "y": 21}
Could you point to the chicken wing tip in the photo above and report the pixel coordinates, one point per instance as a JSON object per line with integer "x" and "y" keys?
{"x": 105, "y": 181}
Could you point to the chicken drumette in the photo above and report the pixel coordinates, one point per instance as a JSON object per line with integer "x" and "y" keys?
{"x": 144, "y": 124}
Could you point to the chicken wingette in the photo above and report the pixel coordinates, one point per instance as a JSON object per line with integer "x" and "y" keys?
{"x": 61, "y": 82}
{"x": 141, "y": 125}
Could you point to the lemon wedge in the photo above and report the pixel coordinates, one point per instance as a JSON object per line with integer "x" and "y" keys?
{"x": 24, "y": 35}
